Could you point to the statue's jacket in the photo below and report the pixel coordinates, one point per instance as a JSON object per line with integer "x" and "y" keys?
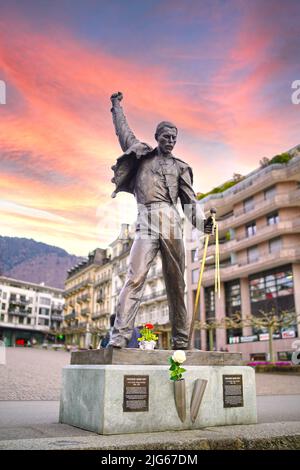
{"x": 127, "y": 165}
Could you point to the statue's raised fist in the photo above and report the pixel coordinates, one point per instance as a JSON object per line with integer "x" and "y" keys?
{"x": 116, "y": 97}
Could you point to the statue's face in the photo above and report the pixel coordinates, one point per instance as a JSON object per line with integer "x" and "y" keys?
{"x": 167, "y": 140}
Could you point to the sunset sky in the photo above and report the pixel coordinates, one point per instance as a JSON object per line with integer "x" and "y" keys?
{"x": 221, "y": 70}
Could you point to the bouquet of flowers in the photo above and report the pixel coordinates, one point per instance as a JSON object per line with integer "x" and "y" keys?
{"x": 147, "y": 334}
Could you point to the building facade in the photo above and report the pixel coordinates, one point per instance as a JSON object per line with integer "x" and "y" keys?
{"x": 28, "y": 311}
{"x": 259, "y": 232}
{"x": 82, "y": 301}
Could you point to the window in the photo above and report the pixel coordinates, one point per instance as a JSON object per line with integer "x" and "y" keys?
{"x": 195, "y": 276}
{"x": 272, "y": 290}
{"x": 4, "y": 295}
{"x": 2, "y": 316}
{"x": 45, "y": 300}
{"x": 195, "y": 255}
{"x": 270, "y": 192}
{"x": 275, "y": 245}
{"x": 3, "y": 306}
{"x": 44, "y": 311}
{"x": 252, "y": 254}
{"x": 209, "y": 295}
{"x": 251, "y": 229}
{"x": 233, "y": 306}
{"x": 197, "y": 339}
{"x": 21, "y": 320}
{"x": 210, "y": 302}
{"x": 273, "y": 218}
{"x": 248, "y": 204}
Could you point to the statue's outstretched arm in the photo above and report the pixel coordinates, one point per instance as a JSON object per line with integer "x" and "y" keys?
{"x": 125, "y": 135}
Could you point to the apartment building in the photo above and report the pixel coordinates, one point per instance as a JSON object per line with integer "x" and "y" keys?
{"x": 101, "y": 310}
{"x": 259, "y": 230}
{"x": 82, "y": 299}
{"x": 28, "y": 311}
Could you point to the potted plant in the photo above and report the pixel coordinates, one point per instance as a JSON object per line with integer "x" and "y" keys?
{"x": 148, "y": 338}
{"x": 176, "y": 371}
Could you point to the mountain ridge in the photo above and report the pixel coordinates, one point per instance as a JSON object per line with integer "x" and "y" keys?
{"x": 28, "y": 260}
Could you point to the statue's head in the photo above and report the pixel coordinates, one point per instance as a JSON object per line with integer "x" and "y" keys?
{"x": 166, "y": 136}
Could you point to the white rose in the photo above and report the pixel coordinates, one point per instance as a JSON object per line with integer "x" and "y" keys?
{"x": 179, "y": 356}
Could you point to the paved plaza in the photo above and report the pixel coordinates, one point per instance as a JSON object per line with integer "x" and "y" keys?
{"x": 35, "y": 374}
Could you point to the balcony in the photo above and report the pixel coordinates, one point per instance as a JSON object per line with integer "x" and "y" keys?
{"x": 19, "y": 313}
{"x": 253, "y": 184}
{"x": 57, "y": 317}
{"x": 57, "y": 308}
{"x": 105, "y": 278}
{"x": 70, "y": 316}
{"x": 85, "y": 311}
{"x": 261, "y": 208}
{"x": 155, "y": 296}
{"x": 100, "y": 314}
{"x": 85, "y": 298}
{"x": 244, "y": 268}
{"x": 154, "y": 273}
{"x": 262, "y": 234}
{"x": 77, "y": 287}
{"x": 19, "y": 301}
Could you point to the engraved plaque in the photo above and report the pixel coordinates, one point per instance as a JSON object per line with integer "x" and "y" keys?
{"x": 136, "y": 393}
{"x": 233, "y": 395}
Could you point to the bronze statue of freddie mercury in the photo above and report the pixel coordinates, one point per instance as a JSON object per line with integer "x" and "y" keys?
{"x": 157, "y": 179}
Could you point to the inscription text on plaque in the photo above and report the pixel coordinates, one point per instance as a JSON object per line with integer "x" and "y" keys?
{"x": 136, "y": 393}
{"x": 233, "y": 395}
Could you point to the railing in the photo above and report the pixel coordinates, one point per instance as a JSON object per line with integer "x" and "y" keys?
{"x": 57, "y": 308}
{"x": 154, "y": 295}
{"x": 85, "y": 311}
{"x": 264, "y": 206}
{"x": 154, "y": 273}
{"x": 243, "y": 268}
{"x": 105, "y": 278}
{"x": 269, "y": 231}
{"x": 85, "y": 283}
{"x": 57, "y": 317}
{"x": 19, "y": 313}
{"x": 19, "y": 301}
{"x": 70, "y": 316}
{"x": 100, "y": 314}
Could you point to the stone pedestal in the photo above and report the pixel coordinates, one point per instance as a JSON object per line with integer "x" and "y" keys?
{"x": 96, "y": 397}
